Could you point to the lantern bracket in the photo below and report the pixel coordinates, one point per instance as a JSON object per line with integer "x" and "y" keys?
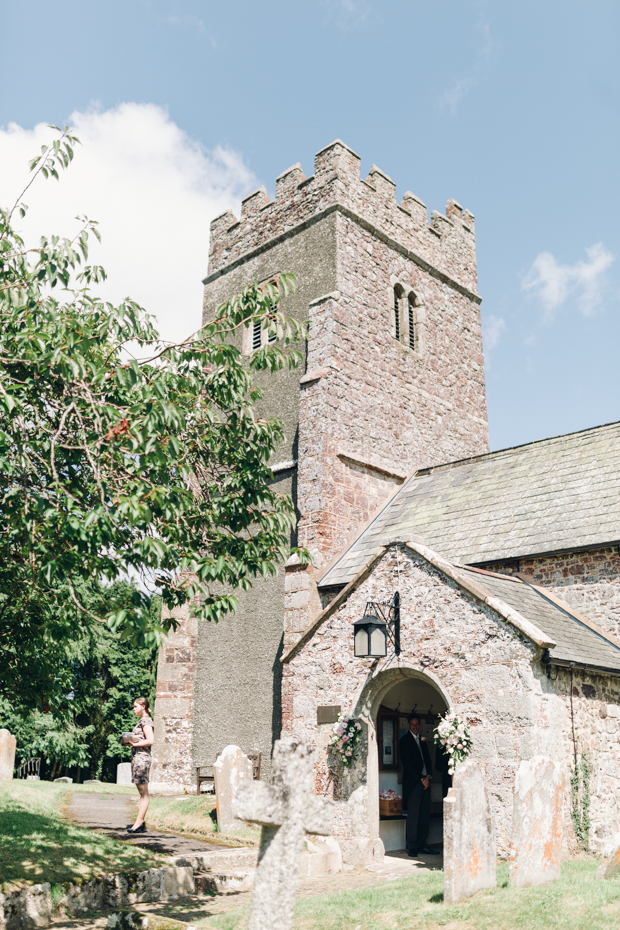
{"x": 389, "y": 612}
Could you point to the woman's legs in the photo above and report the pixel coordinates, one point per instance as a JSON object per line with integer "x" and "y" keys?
{"x": 143, "y": 806}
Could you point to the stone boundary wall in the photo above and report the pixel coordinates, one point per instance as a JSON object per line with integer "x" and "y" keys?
{"x": 35, "y": 906}
{"x": 447, "y": 245}
{"x": 490, "y": 673}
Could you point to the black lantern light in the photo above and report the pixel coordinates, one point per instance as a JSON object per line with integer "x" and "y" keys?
{"x": 379, "y": 626}
{"x": 370, "y": 636}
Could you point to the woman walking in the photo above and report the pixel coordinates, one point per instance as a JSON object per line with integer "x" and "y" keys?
{"x": 142, "y": 740}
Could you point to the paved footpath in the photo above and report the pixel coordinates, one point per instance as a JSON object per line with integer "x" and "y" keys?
{"x": 111, "y": 814}
{"x": 189, "y": 911}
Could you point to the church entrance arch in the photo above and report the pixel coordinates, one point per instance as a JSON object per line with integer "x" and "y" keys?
{"x": 386, "y": 703}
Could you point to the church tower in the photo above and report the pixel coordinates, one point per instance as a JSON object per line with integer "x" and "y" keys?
{"x": 393, "y": 381}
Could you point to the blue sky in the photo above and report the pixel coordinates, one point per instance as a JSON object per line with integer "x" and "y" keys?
{"x": 510, "y": 108}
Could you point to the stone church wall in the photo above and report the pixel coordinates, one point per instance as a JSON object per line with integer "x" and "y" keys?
{"x": 487, "y": 671}
{"x": 365, "y": 409}
{"x": 588, "y": 581}
{"x": 174, "y": 704}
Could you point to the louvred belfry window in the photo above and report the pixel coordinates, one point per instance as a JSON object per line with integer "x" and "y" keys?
{"x": 397, "y": 313}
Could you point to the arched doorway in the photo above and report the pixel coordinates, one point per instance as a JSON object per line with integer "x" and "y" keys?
{"x": 389, "y": 699}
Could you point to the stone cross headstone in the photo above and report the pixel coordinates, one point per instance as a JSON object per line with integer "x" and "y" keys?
{"x": 469, "y": 854}
{"x": 123, "y": 773}
{"x": 286, "y": 811}
{"x": 537, "y": 823}
{"x": 231, "y": 768}
{"x": 7, "y": 754}
{"x": 609, "y": 865}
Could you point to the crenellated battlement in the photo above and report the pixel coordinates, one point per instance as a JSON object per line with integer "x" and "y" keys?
{"x": 446, "y": 244}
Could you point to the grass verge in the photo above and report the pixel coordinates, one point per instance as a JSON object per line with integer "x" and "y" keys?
{"x": 575, "y": 902}
{"x": 37, "y": 845}
{"x": 194, "y": 816}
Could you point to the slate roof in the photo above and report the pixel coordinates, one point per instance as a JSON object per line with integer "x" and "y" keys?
{"x": 548, "y": 496}
{"x": 575, "y": 640}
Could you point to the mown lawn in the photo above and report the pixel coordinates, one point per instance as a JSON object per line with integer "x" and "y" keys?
{"x": 577, "y": 902}
{"x": 193, "y": 815}
{"x": 36, "y": 844}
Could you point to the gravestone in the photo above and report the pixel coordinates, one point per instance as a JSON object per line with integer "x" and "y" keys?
{"x": 286, "y": 811}
{"x": 7, "y": 754}
{"x": 468, "y": 835}
{"x": 123, "y": 773}
{"x": 609, "y": 865}
{"x": 536, "y": 850}
{"x": 231, "y": 768}
{"x": 64, "y": 780}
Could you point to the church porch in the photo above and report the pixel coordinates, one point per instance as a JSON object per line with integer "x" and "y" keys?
{"x": 488, "y": 662}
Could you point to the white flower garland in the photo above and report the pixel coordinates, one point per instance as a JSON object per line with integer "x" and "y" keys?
{"x": 453, "y": 734}
{"x": 346, "y": 739}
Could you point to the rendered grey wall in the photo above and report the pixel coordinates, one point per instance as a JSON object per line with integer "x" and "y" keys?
{"x": 238, "y": 671}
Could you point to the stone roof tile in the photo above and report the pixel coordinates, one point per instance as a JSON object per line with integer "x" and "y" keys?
{"x": 547, "y": 496}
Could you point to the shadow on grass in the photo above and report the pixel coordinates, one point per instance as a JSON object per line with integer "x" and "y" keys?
{"x": 35, "y": 847}
{"x": 436, "y": 898}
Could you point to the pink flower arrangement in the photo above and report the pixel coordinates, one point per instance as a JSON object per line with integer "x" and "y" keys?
{"x": 346, "y": 739}
{"x": 453, "y": 734}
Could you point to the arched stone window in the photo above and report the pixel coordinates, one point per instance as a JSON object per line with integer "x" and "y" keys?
{"x": 408, "y": 318}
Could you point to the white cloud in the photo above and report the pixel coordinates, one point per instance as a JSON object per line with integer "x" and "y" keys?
{"x": 346, "y": 13}
{"x": 452, "y": 97}
{"x": 553, "y": 283}
{"x": 154, "y": 191}
{"x": 191, "y": 21}
{"x": 461, "y": 86}
{"x": 492, "y": 329}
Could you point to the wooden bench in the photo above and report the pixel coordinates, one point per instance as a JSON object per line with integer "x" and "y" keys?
{"x": 254, "y": 757}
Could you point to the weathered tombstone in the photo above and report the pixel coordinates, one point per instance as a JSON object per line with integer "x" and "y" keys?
{"x": 468, "y": 835}
{"x": 123, "y": 773}
{"x": 536, "y": 851}
{"x": 64, "y": 780}
{"x": 286, "y": 811}
{"x": 7, "y": 754}
{"x": 231, "y": 768}
{"x": 609, "y": 865}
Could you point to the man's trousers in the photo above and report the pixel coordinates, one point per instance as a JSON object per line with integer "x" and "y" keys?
{"x": 418, "y": 817}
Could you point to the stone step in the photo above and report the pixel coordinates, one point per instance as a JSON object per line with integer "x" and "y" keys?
{"x": 225, "y": 859}
{"x": 220, "y": 882}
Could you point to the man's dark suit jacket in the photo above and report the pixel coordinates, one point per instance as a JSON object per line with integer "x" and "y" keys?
{"x": 413, "y": 761}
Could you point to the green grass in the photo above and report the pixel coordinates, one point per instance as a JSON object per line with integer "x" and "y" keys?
{"x": 194, "y": 816}
{"x": 37, "y": 845}
{"x": 576, "y": 902}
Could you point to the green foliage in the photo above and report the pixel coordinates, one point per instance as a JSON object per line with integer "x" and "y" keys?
{"x": 102, "y": 675}
{"x": 38, "y": 845}
{"x": 580, "y": 800}
{"x": 576, "y": 901}
{"x": 113, "y": 467}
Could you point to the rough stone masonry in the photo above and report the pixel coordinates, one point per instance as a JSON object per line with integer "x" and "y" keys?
{"x": 393, "y": 380}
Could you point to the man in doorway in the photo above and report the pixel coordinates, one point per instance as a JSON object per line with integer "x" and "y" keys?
{"x": 417, "y": 767}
